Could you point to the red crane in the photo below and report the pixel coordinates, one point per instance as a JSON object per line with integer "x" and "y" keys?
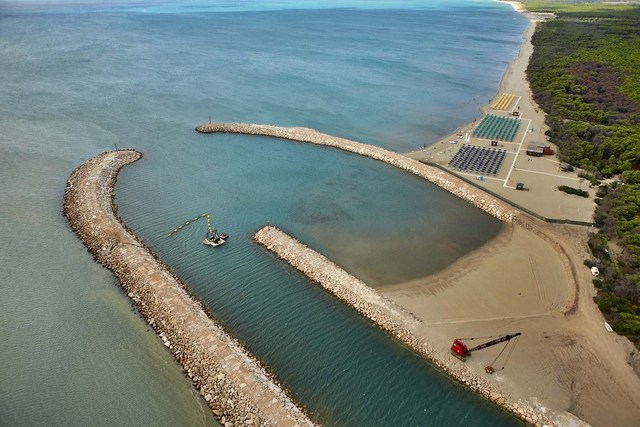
{"x": 460, "y": 350}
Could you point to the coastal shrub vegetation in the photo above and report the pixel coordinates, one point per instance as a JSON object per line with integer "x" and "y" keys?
{"x": 571, "y": 190}
{"x": 585, "y": 74}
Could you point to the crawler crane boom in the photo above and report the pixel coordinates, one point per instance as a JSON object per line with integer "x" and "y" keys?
{"x": 460, "y": 350}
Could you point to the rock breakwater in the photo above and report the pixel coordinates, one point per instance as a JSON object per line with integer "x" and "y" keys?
{"x": 236, "y": 387}
{"x": 384, "y": 314}
{"x": 452, "y": 184}
{"x": 456, "y": 186}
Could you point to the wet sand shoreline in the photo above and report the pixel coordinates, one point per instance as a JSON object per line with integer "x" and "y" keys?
{"x": 385, "y": 314}
{"x": 568, "y": 362}
{"x": 567, "y": 365}
{"x": 531, "y": 279}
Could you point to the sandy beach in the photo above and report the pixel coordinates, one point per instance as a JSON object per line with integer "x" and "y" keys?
{"x": 540, "y": 175}
{"x": 530, "y": 279}
{"x": 565, "y": 362}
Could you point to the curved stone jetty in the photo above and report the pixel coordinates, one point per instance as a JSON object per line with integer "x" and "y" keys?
{"x": 236, "y": 387}
{"x": 382, "y": 313}
{"x": 450, "y": 183}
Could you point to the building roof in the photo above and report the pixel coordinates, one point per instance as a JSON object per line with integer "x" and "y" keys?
{"x": 532, "y": 148}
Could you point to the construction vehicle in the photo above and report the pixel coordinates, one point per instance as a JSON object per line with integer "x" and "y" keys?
{"x": 459, "y": 349}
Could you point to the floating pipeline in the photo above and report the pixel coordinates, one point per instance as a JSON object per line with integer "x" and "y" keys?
{"x": 237, "y": 388}
{"x": 204, "y": 215}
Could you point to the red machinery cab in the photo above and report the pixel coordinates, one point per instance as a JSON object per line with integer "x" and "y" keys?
{"x": 458, "y": 349}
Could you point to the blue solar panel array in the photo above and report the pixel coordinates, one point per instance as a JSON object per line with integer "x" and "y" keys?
{"x": 497, "y": 127}
{"x": 482, "y": 160}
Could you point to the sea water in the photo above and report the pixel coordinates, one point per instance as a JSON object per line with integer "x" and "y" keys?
{"x": 81, "y": 80}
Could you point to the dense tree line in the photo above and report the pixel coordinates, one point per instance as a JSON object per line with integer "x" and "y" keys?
{"x": 585, "y": 74}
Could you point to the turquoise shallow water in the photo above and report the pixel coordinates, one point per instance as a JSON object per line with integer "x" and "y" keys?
{"x": 375, "y": 220}
{"x": 78, "y": 81}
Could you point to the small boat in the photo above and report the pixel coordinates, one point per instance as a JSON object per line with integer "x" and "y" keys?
{"x": 214, "y": 239}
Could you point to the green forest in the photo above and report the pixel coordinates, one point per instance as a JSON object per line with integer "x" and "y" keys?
{"x": 585, "y": 74}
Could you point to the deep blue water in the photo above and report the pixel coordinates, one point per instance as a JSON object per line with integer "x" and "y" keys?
{"x": 81, "y": 80}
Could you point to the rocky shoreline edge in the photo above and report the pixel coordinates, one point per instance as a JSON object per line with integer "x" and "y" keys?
{"x": 454, "y": 185}
{"x": 382, "y": 313}
{"x": 450, "y": 183}
{"x": 237, "y": 388}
